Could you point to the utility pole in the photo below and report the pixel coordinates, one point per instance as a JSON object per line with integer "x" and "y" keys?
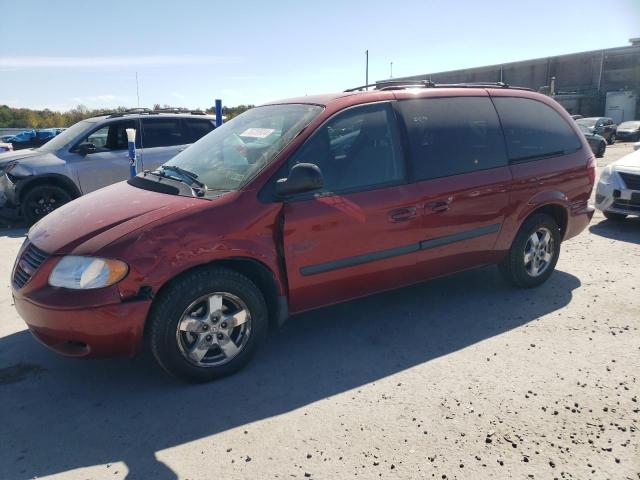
{"x": 366, "y": 82}
{"x": 391, "y": 73}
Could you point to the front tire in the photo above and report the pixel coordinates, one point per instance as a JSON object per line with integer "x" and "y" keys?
{"x": 41, "y": 200}
{"x": 602, "y": 147}
{"x": 612, "y": 139}
{"x": 534, "y": 252}
{"x": 615, "y": 217}
{"x": 207, "y": 324}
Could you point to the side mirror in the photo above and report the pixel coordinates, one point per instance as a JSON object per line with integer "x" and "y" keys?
{"x": 85, "y": 149}
{"x": 303, "y": 177}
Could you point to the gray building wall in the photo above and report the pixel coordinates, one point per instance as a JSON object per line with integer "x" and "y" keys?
{"x": 581, "y": 79}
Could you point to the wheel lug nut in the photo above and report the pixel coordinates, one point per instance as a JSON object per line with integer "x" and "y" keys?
{"x": 223, "y": 324}
{"x": 205, "y": 327}
{"x": 208, "y": 338}
{"x": 219, "y": 336}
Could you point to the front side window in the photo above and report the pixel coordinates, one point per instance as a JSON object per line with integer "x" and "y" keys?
{"x": 451, "y": 136}
{"x": 233, "y": 153}
{"x": 534, "y": 130}
{"x": 112, "y": 136}
{"x": 358, "y": 148}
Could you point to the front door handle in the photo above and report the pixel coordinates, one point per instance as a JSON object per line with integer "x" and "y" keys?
{"x": 439, "y": 206}
{"x": 402, "y": 214}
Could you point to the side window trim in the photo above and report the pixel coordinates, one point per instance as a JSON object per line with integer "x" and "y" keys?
{"x": 310, "y": 195}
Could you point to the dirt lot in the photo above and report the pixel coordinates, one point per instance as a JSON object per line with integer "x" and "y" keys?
{"x": 463, "y": 377}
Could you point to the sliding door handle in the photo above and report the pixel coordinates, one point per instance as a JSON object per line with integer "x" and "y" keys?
{"x": 439, "y": 206}
{"x": 402, "y": 214}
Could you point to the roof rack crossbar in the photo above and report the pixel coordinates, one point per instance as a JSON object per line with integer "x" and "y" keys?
{"x": 403, "y": 84}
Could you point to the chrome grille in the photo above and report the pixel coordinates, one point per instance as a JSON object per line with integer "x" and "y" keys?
{"x": 630, "y": 180}
{"x": 29, "y": 261}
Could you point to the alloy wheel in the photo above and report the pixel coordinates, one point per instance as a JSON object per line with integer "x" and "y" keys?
{"x": 538, "y": 252}
{"x": 214, "y": 329}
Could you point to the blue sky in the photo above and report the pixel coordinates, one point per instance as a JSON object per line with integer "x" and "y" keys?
{"x": 189, "y": 52}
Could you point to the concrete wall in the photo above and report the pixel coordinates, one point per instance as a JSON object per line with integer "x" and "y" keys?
{"x": 581, "y": 79}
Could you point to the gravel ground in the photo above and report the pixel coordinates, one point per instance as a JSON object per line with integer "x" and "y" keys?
{"x": 462, "y": 377}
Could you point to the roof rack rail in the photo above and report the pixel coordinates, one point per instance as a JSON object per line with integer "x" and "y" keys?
{"x": 403, "y": 84}
{"x": 148, "y": 111}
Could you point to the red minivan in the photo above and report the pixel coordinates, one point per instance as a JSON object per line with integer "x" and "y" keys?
{"x": 303, "y": 203}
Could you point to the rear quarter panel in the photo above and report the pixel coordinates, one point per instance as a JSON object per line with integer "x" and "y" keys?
{"x": 561, "y": 180}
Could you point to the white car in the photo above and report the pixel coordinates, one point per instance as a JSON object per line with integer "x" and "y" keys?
{"x": 618, "y": 190}
{"x": 6, "y": 147}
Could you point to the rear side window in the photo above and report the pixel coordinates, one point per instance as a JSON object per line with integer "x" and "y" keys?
{"x": 194, "y": 130}
{"x": 450, "y": 136}
{"x": 161, "y": 132}
{"x": 534, "y": 130}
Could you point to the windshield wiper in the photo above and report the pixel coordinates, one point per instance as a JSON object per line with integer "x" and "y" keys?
{"x": 190, "y": 175}
{"x": 185, "y": 176}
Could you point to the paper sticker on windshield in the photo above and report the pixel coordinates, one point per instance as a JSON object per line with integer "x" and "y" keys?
{"x": 257, "y": 132}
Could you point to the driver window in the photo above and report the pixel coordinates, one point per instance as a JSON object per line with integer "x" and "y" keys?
{"x": 112, "y": 137}
{"x": 356, "y": 149}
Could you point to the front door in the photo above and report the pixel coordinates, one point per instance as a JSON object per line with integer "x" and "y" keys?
{"x": 360, "y": 233}
{"x": 110, "y": 162}
{"x": 459, "y": 161}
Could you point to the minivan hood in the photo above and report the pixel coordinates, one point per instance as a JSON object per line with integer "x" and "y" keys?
{"x": 88, "y": 223}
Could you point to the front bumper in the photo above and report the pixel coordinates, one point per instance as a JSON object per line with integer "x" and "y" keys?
{"x": 626, "y": 136}
{"x": 615, "y": 197}
{"x": 79, "y": 323}
{"x": 8, "y": 208}
{"x": 81, "y": 331}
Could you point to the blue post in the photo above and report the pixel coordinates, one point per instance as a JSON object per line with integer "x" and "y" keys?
{"x": 131, "y": 138}
{"x": 218, "y": 112}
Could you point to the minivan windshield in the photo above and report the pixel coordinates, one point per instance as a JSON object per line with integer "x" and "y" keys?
{"x": 66, "y": 136}
{"x": 233, "y": 153}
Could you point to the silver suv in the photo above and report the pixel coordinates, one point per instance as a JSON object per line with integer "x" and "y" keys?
{"x": 90, "y": 155}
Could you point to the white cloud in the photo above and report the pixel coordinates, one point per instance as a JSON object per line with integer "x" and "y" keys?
{"x": 112, "y": 61}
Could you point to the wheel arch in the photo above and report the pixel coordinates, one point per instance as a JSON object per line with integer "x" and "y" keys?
{"x": 257, "y": 272}
{"x": 27, "y": 183}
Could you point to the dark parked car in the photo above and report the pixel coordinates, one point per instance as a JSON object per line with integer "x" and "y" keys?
{"x": 33, "y": 138}
{"x": 629, "y": 131}
{"x": 340, "y": 196}
{"x": 597, "y": 143}
{"x": 603, "y": 126}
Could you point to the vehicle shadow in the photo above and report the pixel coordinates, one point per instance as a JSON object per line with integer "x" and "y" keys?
{"x": 61, "y": 414}
{"x": 627, "y": 230}
{"x": 12, "y": 231}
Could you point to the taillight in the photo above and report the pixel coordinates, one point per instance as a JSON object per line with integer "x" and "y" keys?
{"x": 591, "y": 169}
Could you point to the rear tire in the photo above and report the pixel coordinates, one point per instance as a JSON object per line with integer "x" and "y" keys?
{"x": 516, "y": 269}
{"x": 39, "y": 201}
{"x": 183, "y": 322}
{"x": 614, "y": 217}
{"x": 612, "y": 139}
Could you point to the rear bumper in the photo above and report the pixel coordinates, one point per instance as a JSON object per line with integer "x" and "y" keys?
{"x": 579, "y": 218}
{"x": 99, "y": 331}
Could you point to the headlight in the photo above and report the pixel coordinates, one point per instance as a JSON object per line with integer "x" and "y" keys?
{"x": 7, "y": 167}
{"x": 81, "y": 273}
{"x": 607, "y": 175}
